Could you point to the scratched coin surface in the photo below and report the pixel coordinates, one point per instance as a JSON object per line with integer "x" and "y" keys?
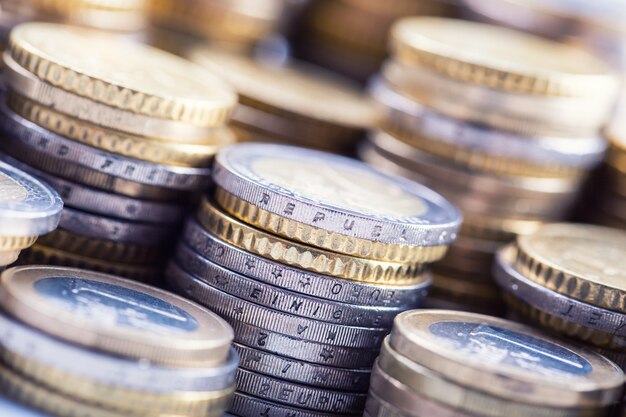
{"x": 337, "y": 194}
{"x": 115, "y": 315}
{"x": 28, "y": 207}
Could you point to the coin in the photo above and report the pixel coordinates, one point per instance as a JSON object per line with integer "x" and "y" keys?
{"x": 580, "y": 261}
{"x": 172, "y": 90}
{"x": 13, "y": 409}
{"x": 28, "y": 207}
{"x": 246, "y": 405}
{"x": 8, "y": 257}
{"x": 115, "y": 315}
{"x": 545, "y": 68}
{"x": 335, "y": 194}
{"x": 534, "y": 370}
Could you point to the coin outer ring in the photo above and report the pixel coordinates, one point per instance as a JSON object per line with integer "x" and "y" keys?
{"x": 194, "y": 112}
{"x": 29, "y": 218}
{"x": 426, "y": 53}
{"x": 600, "y": 391}
{"x": 26, "y": 84}
{"x": 289, "y": 346}
{"x": 240, "y": 181}
{"x": 232, "y": 308}
{"x": 282, "y": 300}
{"x": 294, "y": 230}
{"x": 41, "y": 353}
{"x": 302, "y": 396}
{"x": 301, "y": 372}
{"x": 19, "y": 299}
{"x": 142, "y": 148}
{"x": 301, "y": 256}
{"x": 247, "y": 405}
{"x": 15, "y": 243}
{"x": 554, "y": 303}
{"x": 432, "y": 386}
{"x": 294, "y": 279}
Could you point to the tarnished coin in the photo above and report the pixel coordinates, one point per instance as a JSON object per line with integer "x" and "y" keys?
{"x": 506, "y": 359}
{"x": 583, "y": 262}
{"x": 333, "y": 197}
{"x": 112, "y": 72}
{"x": 115, "y": 315}
{"x": 28, "y": 207}
{"x": 523, "y": 64}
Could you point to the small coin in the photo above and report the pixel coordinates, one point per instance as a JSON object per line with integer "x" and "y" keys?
{"x": 500, "y": 357}
{"x": 336, "y": 194}
{"x": 115, "y": 315}
{"x": 28, "y": 207}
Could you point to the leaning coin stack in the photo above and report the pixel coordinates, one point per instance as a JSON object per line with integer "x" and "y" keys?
{"x": 124, "y": 132}
{"x": 445, "y": 363}
{"x": 570, "y": 279}
{"x": 295, "y": 104}
{"x": 350, "y": 36}
{"x": 503, "y": 124}
{"x": 28, "y": 209}
{"x": 79, "y": 343}
{"x": 308, "y": 256}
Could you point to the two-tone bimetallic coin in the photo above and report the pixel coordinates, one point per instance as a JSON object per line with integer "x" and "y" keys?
{"x": 334, "y": 202}
{"x": 28, "y": 207}
{"x": 506, "y": 359}
{"x": 114, "y": 315}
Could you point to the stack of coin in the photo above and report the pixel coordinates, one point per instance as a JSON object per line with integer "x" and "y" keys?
{"x": 570, "y": 279}
{"x": 124, "y": 16}
{"x": 295, "y": 104}
{"x": 350, "y": 36}
{"x": 444, "y": 363}
{"x": 609, "y": 192}
{"x": 309, "y": 256}
{"x": 28, "y": 209}
{"x": 124, "y": 132}
{"x": 507, "y": 133}
{"x": 74, "y": 342}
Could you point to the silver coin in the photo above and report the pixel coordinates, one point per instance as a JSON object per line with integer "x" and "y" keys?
{"x": 553, "y": 303}
{"x": 95, "y": 201}
{"x": 343, "y": 379}
{"x": 38, "y": 347}
{"x": 279, "y": 299}
{"x": 246, "y": 405}
{"x": 294, "y": 279}
{"x": 411, "y": 115}
{"x": 337, "y": 194}
{"x": 234, "y": 309}
{"x": 105, "y": 228}
{"x": 28, "y": 207}
{"x": 10, "y": 408}
{"x": 301, "y": 396}
{"x": 25, "y": 136}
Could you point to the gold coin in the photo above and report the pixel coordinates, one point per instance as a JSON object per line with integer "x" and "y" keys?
{"x": 8, "y": 257}
{"x": 506, "y": 360}
{"x": 114, "y": 398}
{"x": 115, "y": 315}
{"x": 501, "y": 58}
{"x": 306, "y": 257}
{"x": 580, "y": 261}
{"x": 110, "y": 71}
{"x": 322, "y": 238}
{"x": 142, "y": 148}
{"x": 12, "y": 243}
{"x": 292, "y": 90}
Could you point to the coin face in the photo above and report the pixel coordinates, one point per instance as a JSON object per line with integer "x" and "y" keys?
{"x": 593, "y": 253}
{"x": 113, "y": 314}
{"x": 28, "y": 207}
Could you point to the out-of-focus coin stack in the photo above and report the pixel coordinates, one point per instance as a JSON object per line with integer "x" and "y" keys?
{"x": 295, "y": 104}
{"x": 75, "y": 342}
{"x": 308, "y": 256}
{"x": 350, "y": 36}
{"x": 570, "y": 279}
{"x": 123, "y": 132}
{"x": 509, "y": 137}
{"x": 608, "y": 190}
{"x": 444, "y": 363}
{"x": 28, "y": 209}
{"x": 233, "y": 24}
